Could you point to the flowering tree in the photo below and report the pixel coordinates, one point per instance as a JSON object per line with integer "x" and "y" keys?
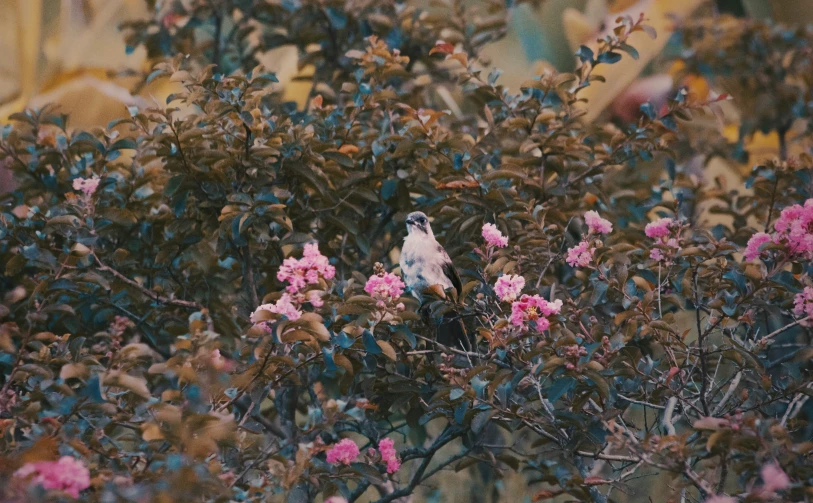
{"x": 202, "y": 304}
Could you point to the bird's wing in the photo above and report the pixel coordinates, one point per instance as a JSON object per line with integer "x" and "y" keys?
{"x": 450, "y": 272}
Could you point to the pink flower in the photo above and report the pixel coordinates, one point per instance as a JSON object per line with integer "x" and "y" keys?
{"x": 305, "y": 271}
{"x": 335, "y": 499}
{"x": 534, "y": 309}
{"x": 68, "y": 475}
{"x": 283, "y": 306}
{"x": 86, "y": 185}
{"x": 344, "y": 452}
{"x": 795, "y": 229}
{"x": 773, "y": 478}
{"x": 315, "y": 298}
{"x": 509, "y": 286}
{"x": 659, "y": 228}
{"x": 752, "y": 249}
{"x": 803, "y": 304}
{"x": 494, "y": 237}
{"x": 385, "y": 286}
{"x": 580, "y": 255}
{"x": 388, "y": 454}
{"x": 596, "y": 224}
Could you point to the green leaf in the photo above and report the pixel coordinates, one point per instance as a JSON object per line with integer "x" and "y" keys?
{"x": 339, "y": 158}
{"x": 370, "y": 343}
{"x": 559, "y": 387}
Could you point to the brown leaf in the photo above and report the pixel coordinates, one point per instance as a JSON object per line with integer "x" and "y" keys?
{"x": 388, "y": 350}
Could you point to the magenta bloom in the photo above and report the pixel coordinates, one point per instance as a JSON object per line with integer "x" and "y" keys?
{"x": 660, "y": 228}
{"x": 388, "y": 454}
{"x": 68, "y": 475}
{"x": 534, "y": 309}
{"x": 795, "y": 228}
{"x": 344, "y": 452}
{"x": 86, "y": 185}
{"x": 283, "y": 306}
{"x": 509, "y": 286}
{"x": 335, "y": 499}
{"x": 596, "y": 224}
{"x": 752, "y": 250}
{"x": 494, "y": 237}
{"x": 305, "y": 271}
{"x": 384, "y": 287}
{"x": 580, "y": 255}
{"x": 803, "y": 303}
{"x": 774, "y": 478}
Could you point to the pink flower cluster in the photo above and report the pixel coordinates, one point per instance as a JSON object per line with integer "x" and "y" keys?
{"x": 753, "y": 248}
{"x": 385, "y": 287}
{"x": 87, "y": 186}
{"x": 299, "y": 274}
{"x": 662, "y": 230}
{"x": 284, "y": 306}
{"x": 580, "y": 255}
{"x": 388, "y": 454}
{"x": 596, "y": 224}
{"x": 773, "y": 479}
{"x": 344, "y": 452}
{"x": 305, "y": 271}
{"x": 803, "y": 304}
{"x": 793, "y": 229}
{"x": 534, "y": 309}
{"x": 68, "y": 475}
{"x": 494, "y": 237}
{"x": 509, "y": 286}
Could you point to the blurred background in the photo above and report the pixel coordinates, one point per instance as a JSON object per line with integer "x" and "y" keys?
{"x": 72, "y": 53}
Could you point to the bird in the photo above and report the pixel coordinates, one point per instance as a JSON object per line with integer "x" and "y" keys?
{"x": 425, "y": 263}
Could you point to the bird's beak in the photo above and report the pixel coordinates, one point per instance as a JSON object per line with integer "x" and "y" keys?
{"x": 409, "y": 221}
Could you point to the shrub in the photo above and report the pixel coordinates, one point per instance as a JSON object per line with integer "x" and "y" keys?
{"x": 202, "y": 301}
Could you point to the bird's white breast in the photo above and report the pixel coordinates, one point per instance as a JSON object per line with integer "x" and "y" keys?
{"x": 422, "y": 260}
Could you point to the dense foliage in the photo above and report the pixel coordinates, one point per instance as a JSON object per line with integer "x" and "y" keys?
{"x": 201, "y": 301}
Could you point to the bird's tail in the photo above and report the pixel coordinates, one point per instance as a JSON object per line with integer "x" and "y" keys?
{"x": 452, "y": 332}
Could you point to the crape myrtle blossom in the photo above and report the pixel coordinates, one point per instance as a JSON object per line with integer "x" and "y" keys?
{"x": 385, "y": 287}
{"x": 68, "y": 475}
{"x": 580, "y": 255}
{"x": 803, "y": 304}
{"x": 388, "y": 455}
{"x": 86, "y": 186}
{"x": 773, "y": 479}
{"x": 283, "y": 306}
{"x": 494, "y": 237}
{"x": 344, "y": 452}
{"x": 596, "y": 224}
{"x": 793, "y": 230}
{"x": 305, "y": 271}
{"x": 663, "y": 232}
{"x": 300, "y": 273}
{"x": 508, "y": 287}
{"x": 753, "y": 248}
{"x": 535, "y": 310}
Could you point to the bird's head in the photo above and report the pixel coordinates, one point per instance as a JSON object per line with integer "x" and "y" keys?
{"x": 418, "y": 222}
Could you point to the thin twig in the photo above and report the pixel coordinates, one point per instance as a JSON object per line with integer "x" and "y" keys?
{"x": 147, "y": 292}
